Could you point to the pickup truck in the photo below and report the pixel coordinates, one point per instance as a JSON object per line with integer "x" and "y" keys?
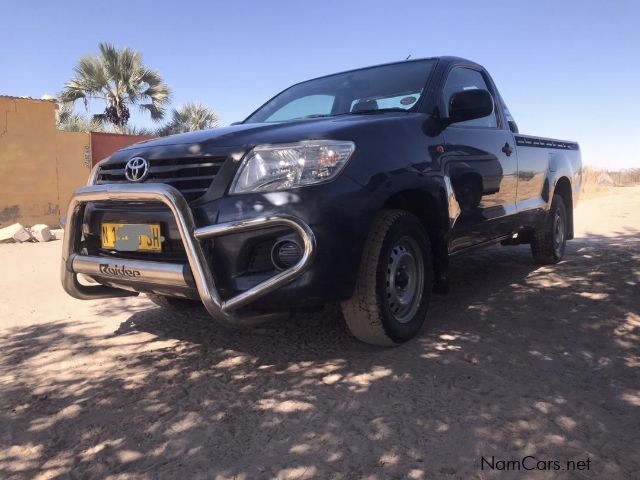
{"x": 354, "y": 188}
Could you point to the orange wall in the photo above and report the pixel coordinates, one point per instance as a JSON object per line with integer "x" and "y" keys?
{"x": 40, "y": 166}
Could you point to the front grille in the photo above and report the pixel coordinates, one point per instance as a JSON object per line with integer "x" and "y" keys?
{"x": 192, "y": 176}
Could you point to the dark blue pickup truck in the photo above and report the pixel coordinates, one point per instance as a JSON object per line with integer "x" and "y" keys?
{"x": 354, "y": 188}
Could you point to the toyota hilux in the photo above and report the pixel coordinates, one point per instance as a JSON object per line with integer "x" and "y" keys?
{"x": 354, "y": 188}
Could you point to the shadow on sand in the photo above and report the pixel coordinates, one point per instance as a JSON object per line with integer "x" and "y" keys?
{"x": 517, "y": 360}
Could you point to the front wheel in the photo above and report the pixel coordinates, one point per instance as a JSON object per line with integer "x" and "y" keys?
{"x": 393, "y": 290}
{"x": 549, "y": 242}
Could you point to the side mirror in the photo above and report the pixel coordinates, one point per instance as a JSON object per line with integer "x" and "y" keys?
{"x": 234, "y": 123}
{"x": 469, "y": 104}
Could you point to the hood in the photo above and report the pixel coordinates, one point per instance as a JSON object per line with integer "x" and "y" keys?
{"x": 245, "y": 136}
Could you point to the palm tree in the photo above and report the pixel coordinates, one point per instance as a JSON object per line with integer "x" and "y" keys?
{"x": 133, "y": 130}
{"x": 120, "y": 79}
{"x": 70, "y": 121}
{"x": 189, "y": 117}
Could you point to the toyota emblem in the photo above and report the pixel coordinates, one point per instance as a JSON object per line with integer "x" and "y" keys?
{"x": 136, "y": 169}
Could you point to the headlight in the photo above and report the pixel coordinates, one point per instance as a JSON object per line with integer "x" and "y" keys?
{"x": 277, "y": 167}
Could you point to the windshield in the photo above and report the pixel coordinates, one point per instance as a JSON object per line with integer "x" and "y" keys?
{"x": 392, "y": 87}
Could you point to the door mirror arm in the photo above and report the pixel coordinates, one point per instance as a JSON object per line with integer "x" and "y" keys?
{"x": 435, "y": 123}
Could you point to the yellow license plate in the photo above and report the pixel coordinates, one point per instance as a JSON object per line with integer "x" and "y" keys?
{"x": 131, "y": 237}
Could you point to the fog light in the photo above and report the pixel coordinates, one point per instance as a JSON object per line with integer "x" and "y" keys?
{"x": 285, "y": 254}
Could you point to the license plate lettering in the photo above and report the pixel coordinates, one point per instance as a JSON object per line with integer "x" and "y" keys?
{"x": 131, "y": 237}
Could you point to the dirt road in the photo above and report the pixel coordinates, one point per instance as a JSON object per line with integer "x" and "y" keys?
{"x": 517, "y": 360}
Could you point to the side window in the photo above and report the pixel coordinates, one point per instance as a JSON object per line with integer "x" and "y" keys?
{"x": 302, "y": 107}
{"x": 466, "y": 79}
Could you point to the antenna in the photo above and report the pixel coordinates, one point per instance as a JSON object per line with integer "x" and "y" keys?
{"x": 408, "y": 57}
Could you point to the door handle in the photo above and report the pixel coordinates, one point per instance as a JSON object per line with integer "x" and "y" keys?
{"x": 507, "y": 149}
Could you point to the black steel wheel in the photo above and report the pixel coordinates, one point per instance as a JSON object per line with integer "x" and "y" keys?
{"x": 549, "y": 242}
{"x": 393, "y": 291}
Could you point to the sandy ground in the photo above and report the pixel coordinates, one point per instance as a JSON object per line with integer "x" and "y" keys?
{"x": 517, "y": 360}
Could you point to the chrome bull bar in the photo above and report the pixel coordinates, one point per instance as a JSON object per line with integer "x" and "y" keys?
{"x": 169, "y": 274}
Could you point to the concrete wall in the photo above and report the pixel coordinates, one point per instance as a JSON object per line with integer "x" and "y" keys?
{"x": 73, "y": 168}
{"x": 40, "y": 166}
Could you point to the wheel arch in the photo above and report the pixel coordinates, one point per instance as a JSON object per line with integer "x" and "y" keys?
{"x": 429, "y": 206}
{"x": 424, "y": 204}
{"x": 563, "y": 188}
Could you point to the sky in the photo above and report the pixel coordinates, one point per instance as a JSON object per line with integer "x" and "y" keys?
{"x": 566, "y": 69}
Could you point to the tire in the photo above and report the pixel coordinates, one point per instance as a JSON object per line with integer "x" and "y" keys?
{"x": 394, "y": 285}
{"x": 173, "y": 303}
{"x": 549, "y": 242}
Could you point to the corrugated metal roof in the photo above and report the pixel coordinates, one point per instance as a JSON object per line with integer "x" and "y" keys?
{"x": 28, "y": 98}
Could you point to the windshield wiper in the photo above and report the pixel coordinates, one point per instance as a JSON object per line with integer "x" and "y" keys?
{"x": 370, "y": 111}
{"x": 315, "y": 115}
{"x": 379, "y": 110}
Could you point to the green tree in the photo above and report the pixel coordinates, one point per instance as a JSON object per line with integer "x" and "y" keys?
{"x": 189, "y": 117}
{"x": 119, "y": 79}
{"x": 67, "y": 119}
{"x": 133, "y": 130}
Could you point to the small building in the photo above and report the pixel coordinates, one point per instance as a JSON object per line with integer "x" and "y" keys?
{"x": 41, "y": 166}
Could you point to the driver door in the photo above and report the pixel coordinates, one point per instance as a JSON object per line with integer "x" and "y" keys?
{"x": 481, "y": 165}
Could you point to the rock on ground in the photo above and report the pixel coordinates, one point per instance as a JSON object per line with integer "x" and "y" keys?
{"x": 15, "y": 233}
{"x": 41, "y": 232}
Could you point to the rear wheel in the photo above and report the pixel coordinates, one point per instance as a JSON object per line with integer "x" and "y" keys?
{"x": 548, "y": 243}
{"x": 394, "y": 286}
{"x": 173, "y": 303}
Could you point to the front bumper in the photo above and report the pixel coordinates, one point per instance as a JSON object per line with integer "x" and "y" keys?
{"x": 195, "y": 274}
